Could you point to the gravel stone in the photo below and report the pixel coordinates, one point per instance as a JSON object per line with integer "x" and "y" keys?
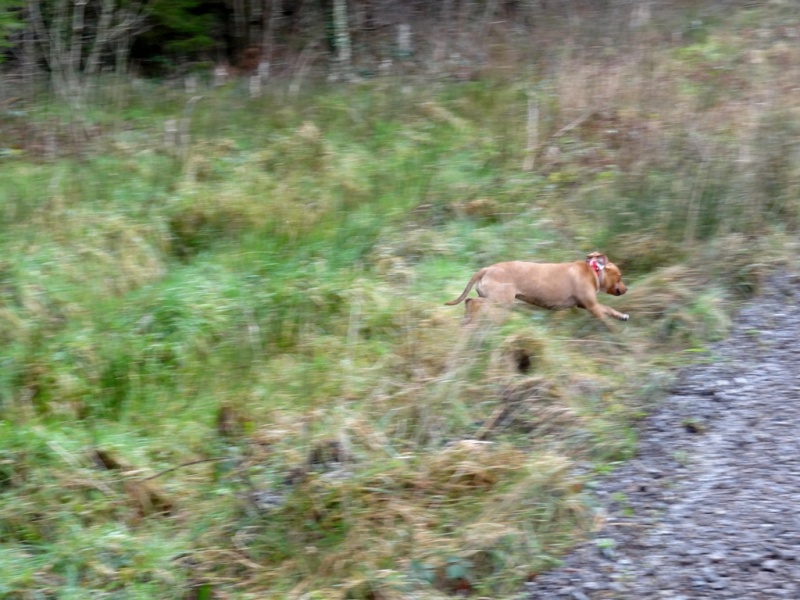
{"x": 711, "y": 510}
{"x": 770, "y": 565}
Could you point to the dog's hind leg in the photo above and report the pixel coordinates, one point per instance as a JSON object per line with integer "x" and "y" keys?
{"x": 472, "y": 307}
{"x": 479, "y": 309}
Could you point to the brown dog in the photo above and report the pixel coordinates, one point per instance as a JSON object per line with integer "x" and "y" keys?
{"x": 547, "y": 285}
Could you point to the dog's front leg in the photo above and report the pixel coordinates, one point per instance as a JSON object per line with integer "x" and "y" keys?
{"x": 601, "y": 311}
{"x": 617, "y": 315}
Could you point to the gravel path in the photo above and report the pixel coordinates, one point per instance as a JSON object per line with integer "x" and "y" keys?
{"x": 710, "y": 507}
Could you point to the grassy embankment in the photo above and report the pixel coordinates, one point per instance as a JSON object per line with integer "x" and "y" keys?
{"x": 269, "y": 300}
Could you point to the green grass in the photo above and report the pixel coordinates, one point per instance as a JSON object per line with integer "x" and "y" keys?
{"x": 257, "y": 320}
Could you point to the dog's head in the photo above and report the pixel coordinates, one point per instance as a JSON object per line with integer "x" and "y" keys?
{"x": 608, "y": 274}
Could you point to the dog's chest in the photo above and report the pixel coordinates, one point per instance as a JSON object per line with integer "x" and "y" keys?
{"x": 545, "y": 302}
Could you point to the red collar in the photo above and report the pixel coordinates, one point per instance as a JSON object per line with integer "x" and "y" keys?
{"x": 598, "y": 272}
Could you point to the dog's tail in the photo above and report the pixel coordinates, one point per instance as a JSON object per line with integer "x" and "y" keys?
{"x": 472, "y": 282}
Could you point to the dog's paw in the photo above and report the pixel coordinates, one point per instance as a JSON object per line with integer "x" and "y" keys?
{"x": 624, "y": 317}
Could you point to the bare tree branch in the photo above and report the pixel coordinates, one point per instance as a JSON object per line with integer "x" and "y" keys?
{"x": 76, "y": 43}
{"x": 74, "y": 55}
{"x": 101, "y": 39}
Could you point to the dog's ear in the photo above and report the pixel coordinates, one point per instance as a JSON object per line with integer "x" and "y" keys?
{"x": 599, "y": 259}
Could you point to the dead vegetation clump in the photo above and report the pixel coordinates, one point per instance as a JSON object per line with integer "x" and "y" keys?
{"x": 482, "y": 210}
{"x": 524, "y": 353}
{"x": 410, "y": 246}
{"x": 305, "y": 147}
{"x": 645, "y": 251}
{"x": 391, "y": 524}
{"x": 668, "y": 299}
{"x": 204, "y": 215}
{"x": 86, "y": 248}
{"x": 533, "y": 407}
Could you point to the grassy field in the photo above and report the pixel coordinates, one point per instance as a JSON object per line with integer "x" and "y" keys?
{"x": 227, "y": 370}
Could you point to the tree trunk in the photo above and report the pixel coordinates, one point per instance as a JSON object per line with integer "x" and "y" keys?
{"x": 341, "y": 32}
{"x": 272, "y": 19}
{"x": 533, "y": 133}
{"x": 239, "y": 26}
{"x": 30, "y": 69}
{"x": 76, "y": 45}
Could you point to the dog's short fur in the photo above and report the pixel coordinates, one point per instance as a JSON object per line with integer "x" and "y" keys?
{"x": 547, "y": 285}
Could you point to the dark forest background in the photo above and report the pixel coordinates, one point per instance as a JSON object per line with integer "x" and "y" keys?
{"x": 361, "y": 38}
